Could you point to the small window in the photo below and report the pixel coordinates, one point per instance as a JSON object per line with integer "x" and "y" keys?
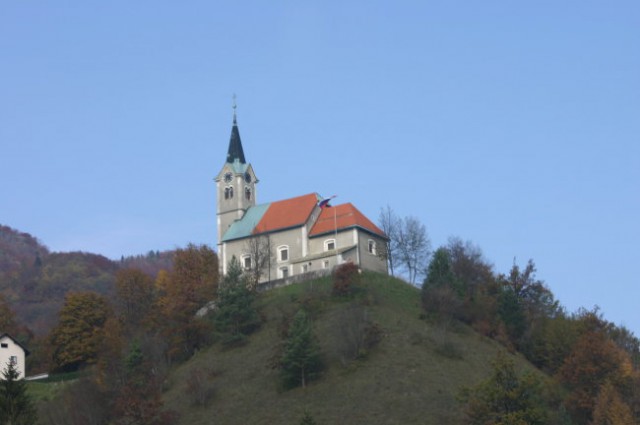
{"x": 305, "y": 268}
{"x": 283, "y": 253}
{"x": 372, "y": 247}
{"x": 247, "y": 193}
{"x": 4, "y": 345}
{"x": 330, "y": 245}
{"x": 284, "y": 272}
{"x": 325, "y": 265}
{"x": 246, "y": 262}
{"x": 13, "y": 360}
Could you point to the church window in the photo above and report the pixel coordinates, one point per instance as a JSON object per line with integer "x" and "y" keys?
{"x": 372, "y": 247}
{"x": 247, "y": 193}
{"x": 284, "y": 272}
{"x": 228, "y": 192}
{"x": 283, "y": 253}
{"x": 246, "y": 262}
{"x": 329, "y": 244}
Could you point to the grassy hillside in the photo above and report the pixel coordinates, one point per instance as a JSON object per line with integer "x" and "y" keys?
{"x": 413, "y": 375}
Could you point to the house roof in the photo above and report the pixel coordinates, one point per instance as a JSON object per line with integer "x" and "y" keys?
{"x": 288, "y": 213}
{"x": 295, "y": 212}
{"x": 273, "y": 216}
{"x": 26, "y": 352}
{"x": 340, "y": 217}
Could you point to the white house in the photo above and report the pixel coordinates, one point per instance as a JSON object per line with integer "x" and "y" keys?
{"x": 12, "y": 351}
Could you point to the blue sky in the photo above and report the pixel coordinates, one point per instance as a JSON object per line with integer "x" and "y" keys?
{"x": 511, "y": 124}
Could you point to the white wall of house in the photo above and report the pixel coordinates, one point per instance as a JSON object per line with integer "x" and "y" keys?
{"x": 10, "y": 350}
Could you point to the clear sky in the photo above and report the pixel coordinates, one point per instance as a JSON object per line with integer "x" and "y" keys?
{"x": 515, "y": 125}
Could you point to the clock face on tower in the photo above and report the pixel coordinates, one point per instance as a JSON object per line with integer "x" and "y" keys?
{"x": 247, "y": 177}
{"x": 228, "y": 177}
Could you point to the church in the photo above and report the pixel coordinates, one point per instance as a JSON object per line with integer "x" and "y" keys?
{"x": 290, "y": 237}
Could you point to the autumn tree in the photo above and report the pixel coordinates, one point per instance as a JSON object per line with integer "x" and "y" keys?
{"x": 16, "y": 407}
{"x": 300, "y": 361}
{"x": 135, "y": 295}
{"x": 139, "y": 400}
{"x": 77, "y": 336}
{"x": 610, "y": 408}
{"x": 192, "y": 284}
{"x": 594, "y": 361}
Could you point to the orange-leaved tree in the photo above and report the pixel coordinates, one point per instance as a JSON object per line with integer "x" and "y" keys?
{"x": 78, "y": 335}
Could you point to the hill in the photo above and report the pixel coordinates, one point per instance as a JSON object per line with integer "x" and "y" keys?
{"x": 414, "y": 375}
{"x": 35, "y": 280}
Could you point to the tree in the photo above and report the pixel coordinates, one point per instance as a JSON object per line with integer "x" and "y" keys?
{"x": 390, "y": 224}
{"x": 593, "y": 361}
{"x": 439, "y": 271}
{"x": 506, "y": 398}
{"x": 192, "y": 284}
{"x": 77, "y": 336}
{"x": 16, "y": 407}
{"x": 414, "y": 247}
{"x": 469, "y": 267}
{"x": 260, "y": 252}
{"x": 301, "y": 357}
{"x": 136, "y": 292}
{"x": 235, "y": 314}
{"x": 610, "y": 409}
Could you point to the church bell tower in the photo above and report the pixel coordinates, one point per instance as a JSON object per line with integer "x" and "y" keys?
{"x": 235, "y": 187}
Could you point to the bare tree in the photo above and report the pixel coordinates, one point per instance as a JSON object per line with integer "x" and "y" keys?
{"x": 390, "y": 224}
{"x": 414, "y": 248}
{"x": 259, "y": 250}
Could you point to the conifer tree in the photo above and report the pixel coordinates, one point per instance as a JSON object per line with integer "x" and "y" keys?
{"x": 236, "y": 315}
{"x": 301, "y": 358}
{"x": 16, "y": 407}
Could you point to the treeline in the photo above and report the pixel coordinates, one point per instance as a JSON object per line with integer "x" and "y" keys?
{"x": 34, "y": 281}
{"x": 591, "y": 360}
{"x": 125, "y": 344}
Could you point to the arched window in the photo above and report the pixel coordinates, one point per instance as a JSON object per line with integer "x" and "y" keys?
{"x": 246, "y": 262}
{"x": 283, "y": 253}
{"x": 284, "y": 272}
{"x": 329, "y": 244}
{"x": 371, "y": 246}
{"x": 247, "y": 193}
{"x": 230, "y": 192}
{"x": 226, "y": 193}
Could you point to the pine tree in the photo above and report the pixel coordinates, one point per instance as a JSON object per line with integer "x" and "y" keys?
{"x": 301, "y": 358}
{"x": 236, "y": 316}
{"x": 16, "y": 407}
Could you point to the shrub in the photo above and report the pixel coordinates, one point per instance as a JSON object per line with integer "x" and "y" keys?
{"x": 345, "y": 279}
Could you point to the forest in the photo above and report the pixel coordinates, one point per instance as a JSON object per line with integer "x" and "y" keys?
{"x": 126, "y": 336}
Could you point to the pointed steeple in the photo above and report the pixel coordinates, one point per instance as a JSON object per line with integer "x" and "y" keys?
{"x": 235, "y": 152}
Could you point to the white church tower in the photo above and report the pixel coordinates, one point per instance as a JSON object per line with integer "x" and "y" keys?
{"x": 236, "y": 188}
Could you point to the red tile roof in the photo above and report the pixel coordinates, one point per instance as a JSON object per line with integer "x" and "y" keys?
{"x": 343, "y": 216}
{"x": 287, "y": 213}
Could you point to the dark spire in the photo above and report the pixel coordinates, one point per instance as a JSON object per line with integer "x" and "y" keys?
{"x": 235, "y": 145}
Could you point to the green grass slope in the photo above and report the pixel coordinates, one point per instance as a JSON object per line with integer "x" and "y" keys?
{"x": 413, "y": 376}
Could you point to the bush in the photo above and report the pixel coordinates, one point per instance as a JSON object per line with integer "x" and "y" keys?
{"x": 346, "y": 277}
